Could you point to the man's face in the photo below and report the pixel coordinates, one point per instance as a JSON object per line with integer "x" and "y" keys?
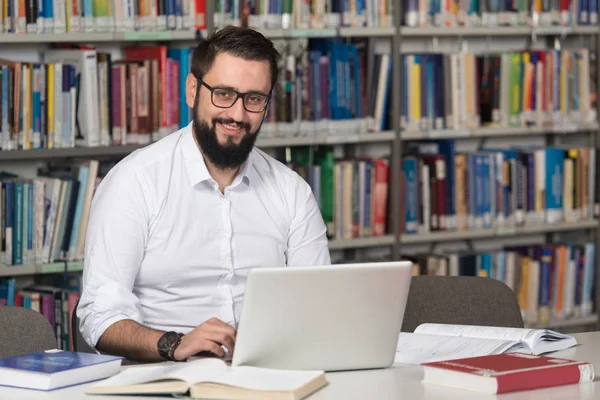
{"x": 226, "y": 135}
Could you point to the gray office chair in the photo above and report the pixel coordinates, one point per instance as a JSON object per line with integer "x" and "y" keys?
{"x": 466, "y": 300}
{"x": 79, "y": 343}
{"x": 24, "y": 331}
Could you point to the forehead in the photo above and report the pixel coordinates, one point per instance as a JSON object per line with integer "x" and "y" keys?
{"x": 242, "y": 75}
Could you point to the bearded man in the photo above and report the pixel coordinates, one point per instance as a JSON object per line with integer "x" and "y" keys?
{"x": 175, "y": 227}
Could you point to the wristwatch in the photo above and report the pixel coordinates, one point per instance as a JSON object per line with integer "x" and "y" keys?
{"x": 168, "y": 343}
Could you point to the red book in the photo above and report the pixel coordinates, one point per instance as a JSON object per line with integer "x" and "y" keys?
{"x": 504, "y": 373}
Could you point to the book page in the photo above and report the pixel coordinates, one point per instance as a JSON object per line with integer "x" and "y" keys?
{"x": 263, "y": 378}
{"x": 528, "y": 336}
{"x": 416, "y": 348}
{"x": 539, "y": 341}
{"x": 190, "y": 372}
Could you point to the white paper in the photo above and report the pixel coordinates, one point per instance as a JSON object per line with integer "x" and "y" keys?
{"x": 264, "y": 379}
{"x": 213, "y": 370}
{"x": 190, "y": 372}
{"x": 538, "y": 340}
{"x": 416, "y": 348}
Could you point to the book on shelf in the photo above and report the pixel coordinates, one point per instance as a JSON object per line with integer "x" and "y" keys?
{"x": 55, "y": 369}
{"x": 212, "y": 378}
{"x": 53, "y": 16}
{"x": 553, "y": 282}
{"x": 352, "y": 193}
{"x": 482, "y": 13}
{"x": 44, "y": 218}
{"x": 549, "y": 88}
{"x": 440, "y": 342}
{"x": 305, "y": 14}
{"x": 87, "y": 97}
{"x": 506, "y": 373}
{"x": 496, "y": 188}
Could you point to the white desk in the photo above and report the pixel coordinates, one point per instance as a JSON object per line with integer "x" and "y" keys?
{"x": 397, "y": 382}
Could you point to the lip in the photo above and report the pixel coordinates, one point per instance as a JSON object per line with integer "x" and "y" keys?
{"x": 230, "y": 132}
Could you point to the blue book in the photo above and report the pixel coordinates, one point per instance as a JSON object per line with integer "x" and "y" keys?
{"x": 55, "y": 369}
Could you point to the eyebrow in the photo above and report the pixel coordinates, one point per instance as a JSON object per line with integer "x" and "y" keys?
{"x": 234, "y": 89}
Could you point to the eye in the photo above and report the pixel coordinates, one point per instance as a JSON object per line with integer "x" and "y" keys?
{"x": 223, "y": 94}
{"x": 255, "y": 99}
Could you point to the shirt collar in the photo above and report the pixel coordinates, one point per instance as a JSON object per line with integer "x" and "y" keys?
{"x": 196, "y": 167}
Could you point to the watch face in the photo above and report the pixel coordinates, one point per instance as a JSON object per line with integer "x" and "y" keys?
{"x": 167, "y": 340}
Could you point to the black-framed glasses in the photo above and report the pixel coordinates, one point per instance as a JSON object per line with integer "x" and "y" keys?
{"x": 225, "y": 98}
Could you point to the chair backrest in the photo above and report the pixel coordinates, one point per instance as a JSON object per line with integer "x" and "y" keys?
{"x": 79, "y": 343}
{"x": 24, "y": 331}
{"x": 466, "y": 300}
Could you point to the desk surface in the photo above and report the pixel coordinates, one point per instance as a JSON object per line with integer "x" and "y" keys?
{"x": 397, "y": 382}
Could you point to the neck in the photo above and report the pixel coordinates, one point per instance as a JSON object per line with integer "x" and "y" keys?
{"x": 224, "y": 177}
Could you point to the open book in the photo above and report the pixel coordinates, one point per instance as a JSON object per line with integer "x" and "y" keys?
{"x": 440, "y": 342}
{"x": 212, "y": 378}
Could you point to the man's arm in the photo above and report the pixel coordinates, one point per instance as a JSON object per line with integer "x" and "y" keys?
{"x": 115, "y": 243}
{"x": 131, "y": 340}
{"x": 307, "y": 239}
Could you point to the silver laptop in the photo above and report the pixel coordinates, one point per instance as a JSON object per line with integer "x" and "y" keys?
{"x": 331, "y": 318}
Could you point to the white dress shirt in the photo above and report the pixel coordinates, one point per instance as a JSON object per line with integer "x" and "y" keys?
{"x": 165, "y": 248}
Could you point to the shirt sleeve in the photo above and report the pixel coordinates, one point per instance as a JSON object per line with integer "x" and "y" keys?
{"x": 307, "y": 240}
{"x": 115, "y": 240}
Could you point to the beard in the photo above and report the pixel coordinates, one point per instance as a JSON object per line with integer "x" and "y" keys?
{"x": 230, "y": 155}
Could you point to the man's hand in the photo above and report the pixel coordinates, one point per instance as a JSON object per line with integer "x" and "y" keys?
{"x": 209, "y": 336}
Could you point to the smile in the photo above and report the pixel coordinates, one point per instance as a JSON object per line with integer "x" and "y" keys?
{"x": 231, "y": 129}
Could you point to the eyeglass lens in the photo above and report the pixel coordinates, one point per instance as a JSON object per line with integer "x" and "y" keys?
{"x": 225, "y": 98}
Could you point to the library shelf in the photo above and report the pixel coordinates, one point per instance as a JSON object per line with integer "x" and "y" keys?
{"x": 76, "y": 266}
{"x": 34, "y": 269}
{"x": 97, "y": 37}
{"x": 69, "y": 152}
{"x": 499, "y": 31}
{"x": 118, "y": 151}
{"x": 369, "y": 137}
{"x": 324, "y": 32}
{"x": 472, "y": 234}
{"x": 500, "y": 131}
{"x": 370, "y": 32}
{"x": 564, "y": 323}
{"x": 371, "y": 241}
{"x": 69, "y": 37}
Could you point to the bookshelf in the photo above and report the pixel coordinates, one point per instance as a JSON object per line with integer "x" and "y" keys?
{"x": 394, "y": 137}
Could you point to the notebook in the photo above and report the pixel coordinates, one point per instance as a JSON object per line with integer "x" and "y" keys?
{"x": 55, "y": 369}
{"x": 439, "y": 342}
{"x": 212, "y": 378}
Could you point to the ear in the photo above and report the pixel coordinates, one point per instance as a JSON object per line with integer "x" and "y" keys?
{"x": 190, "y": 89}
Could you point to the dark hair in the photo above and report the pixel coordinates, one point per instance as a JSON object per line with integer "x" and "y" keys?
{"x": 241, "y": 42}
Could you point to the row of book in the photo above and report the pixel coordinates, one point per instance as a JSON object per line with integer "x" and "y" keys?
{"x": 44, "y": 219}
{"x": 304, "y": 14}
{"x": 553, "y": 282}
{"x": 54, "y": 296}
{"x": 447, "y": 190}
{"x": 529, "y": 88}
{"x": 78, "y": 16}
{"x": 352, "y": 194}
{"x": 474, "y": 13}
{"x": 82, "y": 97}
{"x": 85, "y": 97}
{"x": 326, "y": 81}
{"x": 319, "y": 14}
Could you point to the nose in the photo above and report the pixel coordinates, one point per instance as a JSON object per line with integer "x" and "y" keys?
{"x": 237, "y": 111}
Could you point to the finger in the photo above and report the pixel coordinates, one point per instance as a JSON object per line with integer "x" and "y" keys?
{"x": 220, "y": 326}
{"x": 221, "y": 338}
{"x": 213, "y": 347}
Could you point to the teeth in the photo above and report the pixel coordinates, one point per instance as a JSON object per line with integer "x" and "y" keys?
{"x": 230, "y": 126}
